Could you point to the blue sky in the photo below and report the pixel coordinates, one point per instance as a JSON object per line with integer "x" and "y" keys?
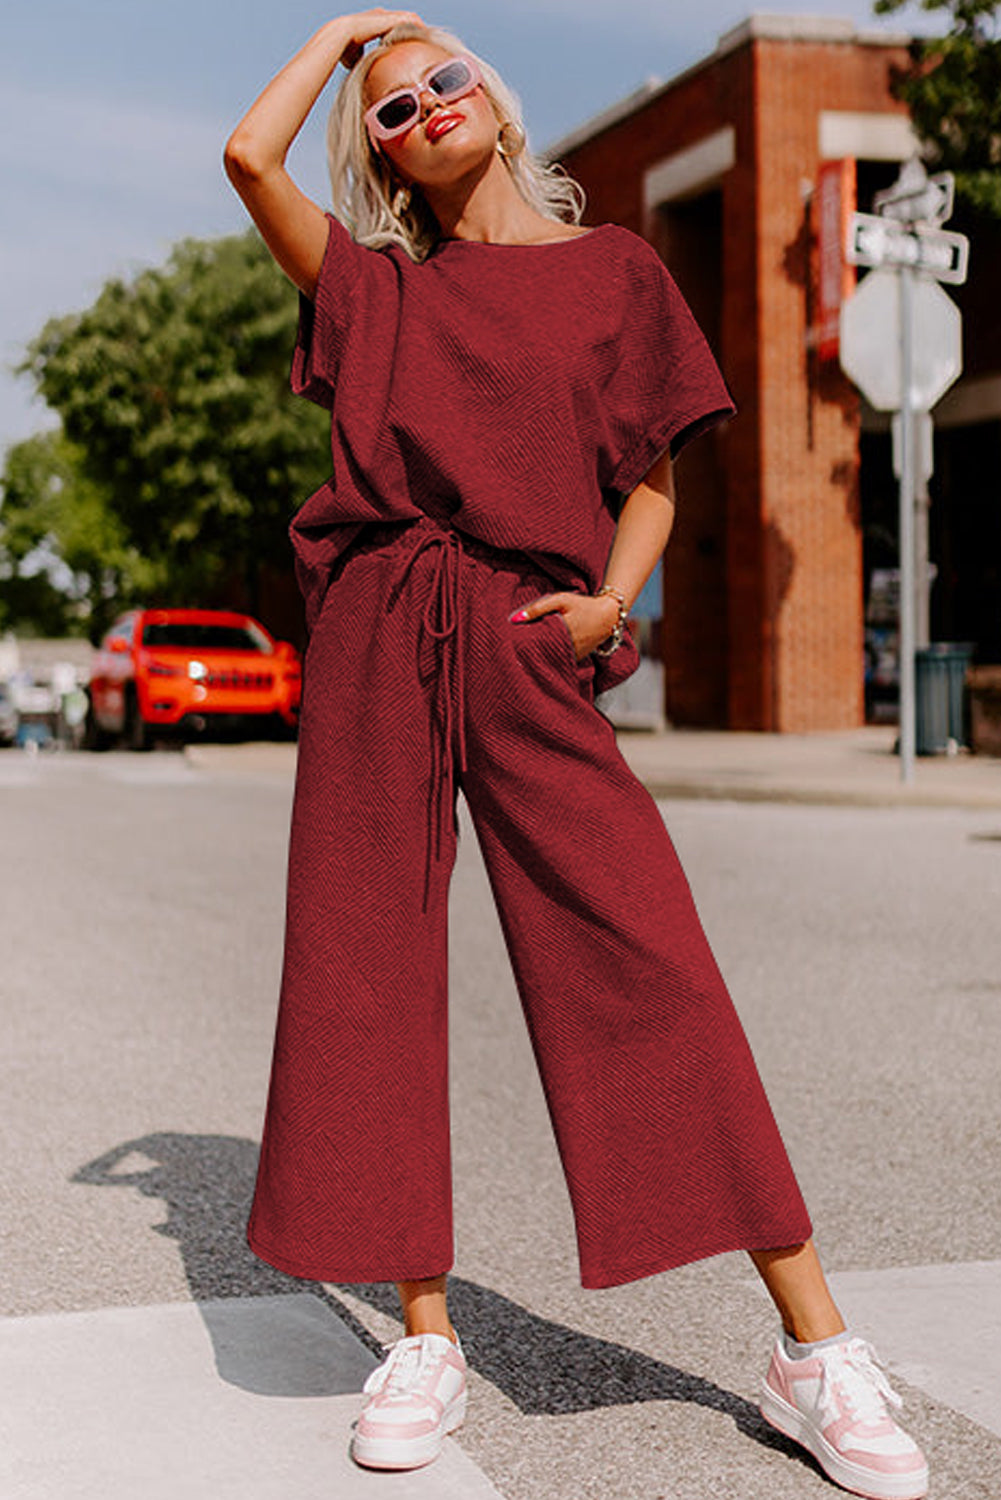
{"x": 113, "y": 116}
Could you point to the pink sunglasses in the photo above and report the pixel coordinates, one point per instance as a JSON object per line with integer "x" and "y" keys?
{"x": 394, "y": 113}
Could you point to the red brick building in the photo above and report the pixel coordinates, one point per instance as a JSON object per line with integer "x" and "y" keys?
{"x": 782, "y": 512}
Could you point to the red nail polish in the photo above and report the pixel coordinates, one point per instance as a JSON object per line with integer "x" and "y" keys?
{"x": 518, "y": 617}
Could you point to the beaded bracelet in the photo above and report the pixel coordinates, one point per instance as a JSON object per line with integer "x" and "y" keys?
{"x": 615, "y": 639}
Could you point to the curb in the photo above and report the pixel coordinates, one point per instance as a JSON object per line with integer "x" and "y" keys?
{"x": 708, "y": 791}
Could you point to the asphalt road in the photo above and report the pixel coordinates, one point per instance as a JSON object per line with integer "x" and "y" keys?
{"x": 140, "y": 924}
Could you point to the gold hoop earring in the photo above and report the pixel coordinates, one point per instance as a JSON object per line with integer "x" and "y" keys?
{"x": 510, "y": 139}
{"x": 401, "y": 202}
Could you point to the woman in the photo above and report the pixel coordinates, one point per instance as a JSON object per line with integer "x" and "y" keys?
{"x": 507, "y": 392}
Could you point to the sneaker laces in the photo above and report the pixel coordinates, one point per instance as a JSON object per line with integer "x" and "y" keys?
{"x": 409, "y": 1360}
{"x": 852, "y": 1370}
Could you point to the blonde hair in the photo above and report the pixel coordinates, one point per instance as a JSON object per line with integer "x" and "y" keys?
{"x": 361, "y": 178}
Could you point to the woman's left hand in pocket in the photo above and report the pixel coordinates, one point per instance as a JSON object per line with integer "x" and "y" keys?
{"x": 589, "y": 620}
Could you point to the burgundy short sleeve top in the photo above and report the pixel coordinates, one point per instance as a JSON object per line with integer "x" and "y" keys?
{"x": 516, "y": 391}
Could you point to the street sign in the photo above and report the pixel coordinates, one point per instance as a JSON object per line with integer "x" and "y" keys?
{"x": 877, "y": 241}
{"x": 916, "y": 198}
{"x": 870, "y": 340}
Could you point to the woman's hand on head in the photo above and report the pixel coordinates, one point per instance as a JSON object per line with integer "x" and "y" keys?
{"x": 589, "y": 620}
{"x": 367, "y": 25}
{"x": 295, "y": 228}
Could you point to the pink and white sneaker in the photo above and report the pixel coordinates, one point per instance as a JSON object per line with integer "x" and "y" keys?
{"x": 834, "y": 1404}
{"x": 416, "y": 1397}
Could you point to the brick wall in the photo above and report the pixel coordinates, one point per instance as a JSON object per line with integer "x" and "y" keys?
{"x": 813, "y": 583}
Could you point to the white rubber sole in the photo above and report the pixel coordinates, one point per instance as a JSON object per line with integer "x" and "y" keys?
{"x": 408, "y": 1453}
{"x": 786, "y": 1419}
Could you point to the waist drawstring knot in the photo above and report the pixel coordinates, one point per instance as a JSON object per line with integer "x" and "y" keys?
{"x": 442, "y": 623}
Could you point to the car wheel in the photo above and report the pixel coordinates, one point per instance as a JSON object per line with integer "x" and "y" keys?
{"x": 94, "y": 737}
{"x": 137, "y": 731}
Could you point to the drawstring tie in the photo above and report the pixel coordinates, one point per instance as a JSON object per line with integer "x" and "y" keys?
{"x": 441, "y": 621}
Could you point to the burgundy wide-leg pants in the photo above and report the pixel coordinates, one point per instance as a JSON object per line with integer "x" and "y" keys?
{"x": 417, "y": 682}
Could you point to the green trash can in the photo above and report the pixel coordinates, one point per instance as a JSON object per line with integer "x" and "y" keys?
{"x": 940, "y": 697}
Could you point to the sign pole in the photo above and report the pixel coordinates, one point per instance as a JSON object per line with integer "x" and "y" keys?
{"x": 907, "y": 456}
{"x": 910, "y": 254}
{"x": 922, "y": 549}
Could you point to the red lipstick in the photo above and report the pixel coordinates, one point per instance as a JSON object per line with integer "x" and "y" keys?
{"x": 442, "y": 121}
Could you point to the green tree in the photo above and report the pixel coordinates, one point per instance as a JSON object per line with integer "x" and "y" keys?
{"x": 66, "y": 561}
{"x": 31, "y": 604}
{"x": 174, "y": 389}
{"x": 953, "y": 91}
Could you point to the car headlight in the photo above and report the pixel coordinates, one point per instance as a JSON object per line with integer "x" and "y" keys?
{"x": 197, "y": 670}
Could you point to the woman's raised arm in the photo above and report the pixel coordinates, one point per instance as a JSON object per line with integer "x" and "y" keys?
{"x": 293, "y": 226}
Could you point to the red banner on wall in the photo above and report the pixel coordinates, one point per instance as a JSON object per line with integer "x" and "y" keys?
{"x": 835, "y": 203}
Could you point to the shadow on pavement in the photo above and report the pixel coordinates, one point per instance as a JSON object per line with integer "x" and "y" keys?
{"x": 206, "y": 1183}
{"x": 543, "y": 1367}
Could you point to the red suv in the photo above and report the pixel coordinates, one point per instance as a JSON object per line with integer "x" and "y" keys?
{"x": 186, "y": 670}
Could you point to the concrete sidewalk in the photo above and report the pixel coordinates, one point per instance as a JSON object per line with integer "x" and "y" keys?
{"x": 249, "y": 1398}
{"x": 254, "y": 1398}
{"x": 855, "y": 767}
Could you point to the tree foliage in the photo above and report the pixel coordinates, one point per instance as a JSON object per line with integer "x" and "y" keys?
{"x": 64, "y": 555}
{"x": 173, "y": 390}
{"x": 953, "y": 91}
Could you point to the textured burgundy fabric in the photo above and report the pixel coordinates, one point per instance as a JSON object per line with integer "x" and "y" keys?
{"x": 416, "y": 682}
{"x": 516, "y": 390}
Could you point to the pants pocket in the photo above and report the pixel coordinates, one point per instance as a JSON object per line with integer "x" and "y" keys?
{"x": 582, "y": 668}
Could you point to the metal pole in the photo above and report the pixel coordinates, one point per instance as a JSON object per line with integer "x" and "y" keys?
{"x": 922, "y": 582}
{"x": 907, "y": 456}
